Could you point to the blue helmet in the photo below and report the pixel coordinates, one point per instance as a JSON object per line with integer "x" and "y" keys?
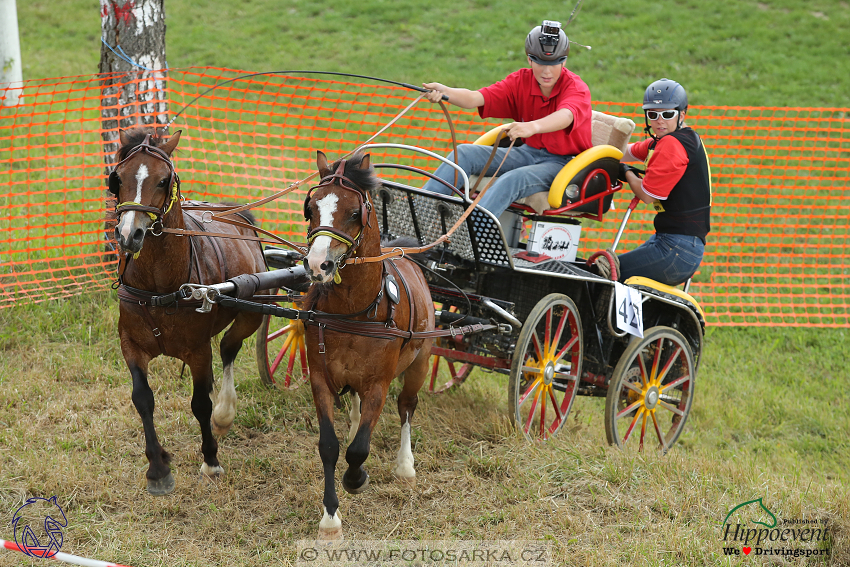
{"x": 665, "y": 93}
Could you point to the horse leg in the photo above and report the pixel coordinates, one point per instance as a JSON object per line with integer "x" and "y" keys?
{"x": 200, "y": 363}
{"x": 225, "y": 408}
{"x": 408, "y": 399}
{"x": 330, "y": 526}
{"x": 160, "y": 480}
{"x": 355, "y": 480}
{"x": 355, "y": 416}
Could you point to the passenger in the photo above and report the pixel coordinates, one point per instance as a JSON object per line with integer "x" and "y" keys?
{"x": 550, "y": 106}
{"x": 677, "y": 182}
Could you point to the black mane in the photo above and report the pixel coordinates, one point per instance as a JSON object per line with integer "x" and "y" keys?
{"x": 135, "y": 137}
{"x": 365, "y": 179}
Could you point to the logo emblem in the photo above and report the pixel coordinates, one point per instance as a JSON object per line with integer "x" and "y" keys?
{"x": 28, "y": 522}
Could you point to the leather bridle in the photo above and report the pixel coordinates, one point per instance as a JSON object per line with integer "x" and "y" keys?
{"x": 173, "y": 182}
{"x": 338, "y": 178}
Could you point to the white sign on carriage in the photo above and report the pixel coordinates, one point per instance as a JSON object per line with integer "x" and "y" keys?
{"x": 557, "y": 240}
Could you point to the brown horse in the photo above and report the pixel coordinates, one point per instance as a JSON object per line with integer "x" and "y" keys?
{"x": 381, "y": 295}
{"x": 148, "y": 192}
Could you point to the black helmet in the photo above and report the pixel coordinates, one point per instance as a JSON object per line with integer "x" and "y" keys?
{"x": 547, "y": 44}
{"x": 665, "y": 93}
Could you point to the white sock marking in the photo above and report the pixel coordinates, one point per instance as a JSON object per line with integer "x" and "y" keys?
{"x": 404, "y": 461}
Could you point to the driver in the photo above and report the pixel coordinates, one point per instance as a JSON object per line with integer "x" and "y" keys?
{"x": 550, "y": 106}
{"x": 677, "y": 183}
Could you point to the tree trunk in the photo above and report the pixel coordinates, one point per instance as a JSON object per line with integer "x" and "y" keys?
{"x": 133, "y": 76}
{"x": 133, "y": 66}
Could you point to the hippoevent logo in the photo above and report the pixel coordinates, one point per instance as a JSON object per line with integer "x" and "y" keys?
{"x": 755, "y": 530}
{"x": 38, "y": 527}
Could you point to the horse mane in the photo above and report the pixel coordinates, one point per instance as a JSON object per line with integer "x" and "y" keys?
{"x": 365, "y": 179}
{"x": 136, "y": 136}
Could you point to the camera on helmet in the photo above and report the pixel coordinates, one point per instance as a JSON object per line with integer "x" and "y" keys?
{"x": 551, "y": 28}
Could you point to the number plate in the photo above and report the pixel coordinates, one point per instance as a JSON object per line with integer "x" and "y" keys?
{"x": 629, "y": 309}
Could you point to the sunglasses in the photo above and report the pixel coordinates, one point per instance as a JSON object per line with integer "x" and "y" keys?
{"x": 665, "y": 114}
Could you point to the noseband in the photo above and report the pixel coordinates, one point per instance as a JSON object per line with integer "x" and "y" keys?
{"x": 339, "y": 178}
{"x": 173, "y": 182}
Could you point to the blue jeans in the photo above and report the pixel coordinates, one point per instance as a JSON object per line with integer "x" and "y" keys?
{"x": 667, "y": 258}
{"x": 526, "y": 171}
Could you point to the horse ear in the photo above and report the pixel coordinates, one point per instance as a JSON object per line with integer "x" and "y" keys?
{"x": 322, "y": 163}
{"x": 169, "y": 146}
{"x": 365, "y": 162}
{"x": 114, "y": 183}
{"x": 123, "y": 137}
{"x": 307, "y": 214}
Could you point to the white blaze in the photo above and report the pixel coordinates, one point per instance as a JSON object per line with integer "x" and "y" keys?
{"x": 321, "y": 246}
{"x": 129, "y": 218}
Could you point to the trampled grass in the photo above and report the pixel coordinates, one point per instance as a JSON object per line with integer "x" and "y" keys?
{"x": 769, "y": 421}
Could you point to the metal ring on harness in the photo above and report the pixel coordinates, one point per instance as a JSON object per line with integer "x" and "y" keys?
{"x": 204, "y": 217}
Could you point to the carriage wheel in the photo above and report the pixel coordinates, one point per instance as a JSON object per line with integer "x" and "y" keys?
{"x": 281, "y": 352}
{"x": 651, "y": 390}
{"x": 458, "y": 371}
{"x": 546, "y": 367}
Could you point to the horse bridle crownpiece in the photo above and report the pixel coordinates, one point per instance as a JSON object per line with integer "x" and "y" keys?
{"x": 173, "y": 182}
{"x": 339, "y": 178}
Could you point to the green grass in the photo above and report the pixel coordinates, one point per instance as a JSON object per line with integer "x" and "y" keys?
{"x": 769, "y": 421}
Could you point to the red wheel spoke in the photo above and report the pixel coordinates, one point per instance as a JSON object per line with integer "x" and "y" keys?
{"x": 547, "y": 333}
{"x": 558, "y": 413}
{"x": 530, "y": 389}
{"x": 286, "y": 344}
{"x": 643, "y": 431}
{"x": 302, "y": 348}
{"x": 567, "y": 347}
{"x": 543, "y": 404}
{"x": 531, "y": 412}
{"x": 560, "y": 330}
{"x": 435, "y": 367}
{"x": 632, "y": 425}
{"x": 657, "y": 358}
{"x": 279, "y": 333}
{"x": 290, "y": 365}
{"x": 676, "y": 382}
{"x": 669, "y": 365}
{"x": 667, "y": 406}
{"x": 536, "y": 342}
{"x": 644, "y": 377}
{"x": 658, "y": 432}
{"x": 630, "y": 409}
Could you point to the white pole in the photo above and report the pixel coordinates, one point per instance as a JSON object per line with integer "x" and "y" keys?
{"x": 11, "y": 74}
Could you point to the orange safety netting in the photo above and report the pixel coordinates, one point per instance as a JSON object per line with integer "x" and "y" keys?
{"x": 777, "y": 254}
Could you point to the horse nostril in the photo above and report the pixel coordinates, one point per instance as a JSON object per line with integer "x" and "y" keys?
{"x": 326, "y": 266}
{"x": 138, "y": 235}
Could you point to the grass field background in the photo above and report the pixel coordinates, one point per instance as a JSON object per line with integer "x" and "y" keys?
{"x": 770, "y": 417}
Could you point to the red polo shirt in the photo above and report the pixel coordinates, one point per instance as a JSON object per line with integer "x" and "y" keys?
{"x": 518, "y": 97}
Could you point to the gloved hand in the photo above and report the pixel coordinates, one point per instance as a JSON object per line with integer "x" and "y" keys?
{"x": 623, "y": 169}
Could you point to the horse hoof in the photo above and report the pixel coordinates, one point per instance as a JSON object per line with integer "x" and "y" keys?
{"x": 409, "y": 481}
{"x": 162, "y": 486}
{"x": 357, "y": 490}
{"x": 209, "y": 473}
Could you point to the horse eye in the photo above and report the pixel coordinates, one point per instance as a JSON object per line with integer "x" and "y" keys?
{"x": 163, "y": 183}
{"x": 355, "y": 215}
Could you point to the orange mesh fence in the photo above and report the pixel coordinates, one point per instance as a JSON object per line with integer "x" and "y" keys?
{"x": 777, "y": 253}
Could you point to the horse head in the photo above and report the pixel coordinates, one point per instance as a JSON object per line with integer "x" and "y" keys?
{"x": 340, "y": 213}
{"x": 145, "y": 184}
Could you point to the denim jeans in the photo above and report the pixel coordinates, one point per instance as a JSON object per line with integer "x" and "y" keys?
{"x": 526, "y": 171}
{"x": 667, "y": 258}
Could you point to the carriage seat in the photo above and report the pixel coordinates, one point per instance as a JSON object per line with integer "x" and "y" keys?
{"x": 572, "y": 192}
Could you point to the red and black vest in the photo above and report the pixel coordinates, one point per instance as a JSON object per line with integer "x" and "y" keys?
{"x": 687, "y": 210}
